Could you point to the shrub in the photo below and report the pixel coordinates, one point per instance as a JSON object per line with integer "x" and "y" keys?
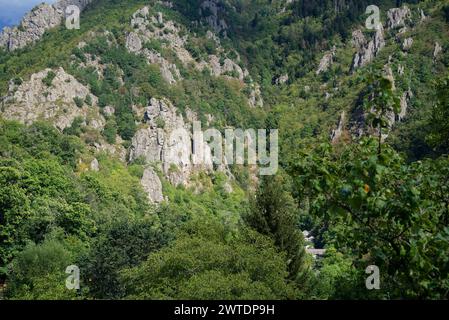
{"x": 110, "y": 132}
{"x": 131, "y": 243}
{"x": 210, "y": 47}
{"x": 17, "y": 81}
{"x": 154, "y": 76}
{"x": 88, "y": 100}
{"x": 154, "y": 45}
{"x": 49, "y": 78}
{"x": 79, "y": 102}
{"x": 75, "y": 128}
{"x": 446, "y": 12}
{"x": 38, "y": 272}
{"x": 194, "y": 50}
{"x": 160, "y": 123}
{"x": 77, "y": 52}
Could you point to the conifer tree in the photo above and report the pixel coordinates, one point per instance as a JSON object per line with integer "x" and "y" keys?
{"x": 273, "y": 213}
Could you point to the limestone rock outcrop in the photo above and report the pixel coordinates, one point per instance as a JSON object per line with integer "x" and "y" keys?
{"x": 59, "y": 101}
{"x": 152, "y": 186}
{"x": 34, "y": 24}
{"x": 211, "y": 11}
{"x": 95, "y": 165}
{"x": 358, "y": 126}
{"x": 358, "y": 39}
{"x": 398, "y": 17}
{"x": 133, "y": 42}
{"x": 388, "y": 74}
{"x": 227, "y": 68}
{"x": 422, "y": 15}
{"x": 148, "y": 28}
{"x": 169, "y": 71}
{"x": 326, "y": 61}
{"x": 337, "y": 133}
{"x": 406, "y": 96}
{"x": 437, "y": 50}
{"x": 407, "y": 44}
{"x": 369, "y": 51}
{"x": 167, "y": 141}
{"x": 255, "y": 97}
{"x": 281, "y": 79}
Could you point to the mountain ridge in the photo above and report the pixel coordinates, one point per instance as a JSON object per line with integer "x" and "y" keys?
{"x": 90, "y": 169}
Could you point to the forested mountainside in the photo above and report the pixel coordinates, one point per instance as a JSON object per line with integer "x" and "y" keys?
{"x": 92, "y": 179}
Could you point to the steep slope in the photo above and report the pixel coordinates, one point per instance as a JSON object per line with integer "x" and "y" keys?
{"x": 40, "y": 19}
{"x": 92, "y": 159}
{"x": 112, "y": 76}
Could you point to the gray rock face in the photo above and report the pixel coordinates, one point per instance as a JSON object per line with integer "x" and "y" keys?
{"x": 214, "y": 20}
{"x": 404, "y": 104}
{"x": 336, "y": 134}
{"x": 33, "y": 26}
{"x": 231, "y": 70}
{"x": 255, "y": 97}
{"x": 422, "y": 15}
{"x": 35, "y": 23}
{"x": 147, "y": 28}
{"x": 397, "y": 17}
{"x": 369, "y": 51}
{"x": 358, "y": 39}
{"x": 407, "y": 44}
{"x": 326, "y": 61}
{"x": 388, "y": 73}
{"x": 160, "y": 143}
{"x": 94, "y": 165}
{"x": 437, "y": 50}
{"x": 152, "y": 186}
{"x": 108, "y": 111}
{"x": 228, "y": 67}
{"x": 169, "y": 71}
{"x": 94, "y": 62}
{"x": 35, "y": 100}
{"x": 115, "y": 150}
{"x": 133, "y": 42}
{"x": 281, "y": 79}
{"x": 358, "y": 126}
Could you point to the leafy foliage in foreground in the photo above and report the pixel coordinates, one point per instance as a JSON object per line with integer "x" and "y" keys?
{"x": 274, "y": 214}
{"x": 208, "y": 262}
{"x": 382, "y": 211}
{"x": 365, "y": 202}
{"x": 54, "y": 215}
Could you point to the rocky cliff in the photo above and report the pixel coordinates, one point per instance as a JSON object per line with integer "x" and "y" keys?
{"x": 33, "y": 26}
{"x": 159, "y": 143}
{"x": 51, "y": 95}
{"x": 367, "y": 51}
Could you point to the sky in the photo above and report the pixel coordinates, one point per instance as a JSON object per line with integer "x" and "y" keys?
{"x": 12, "y": 11}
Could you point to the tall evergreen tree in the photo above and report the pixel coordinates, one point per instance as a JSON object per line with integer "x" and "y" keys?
{"x": 273, "y": 213}
{"x": 439, "y": 137}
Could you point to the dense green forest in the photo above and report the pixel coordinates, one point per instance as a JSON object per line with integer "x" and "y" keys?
{"x": 380, "y": 198}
